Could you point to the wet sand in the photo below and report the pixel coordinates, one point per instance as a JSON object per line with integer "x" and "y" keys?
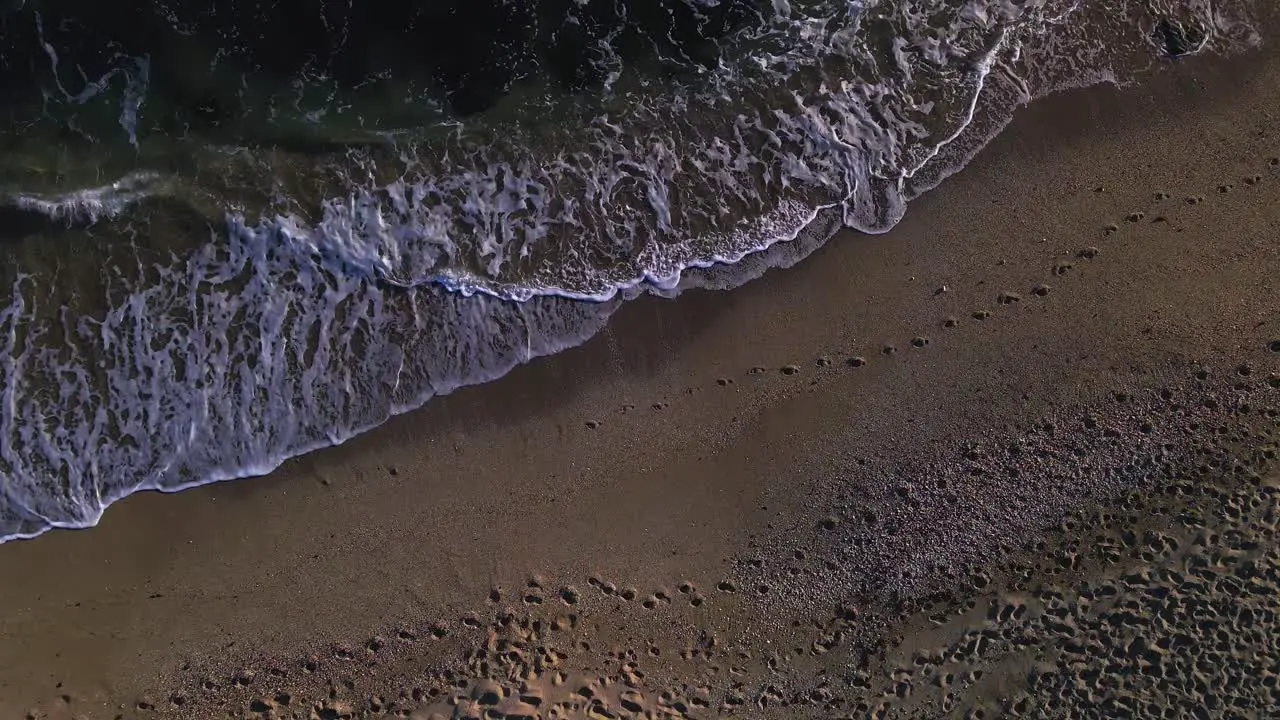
{"x": 801, "y": 498}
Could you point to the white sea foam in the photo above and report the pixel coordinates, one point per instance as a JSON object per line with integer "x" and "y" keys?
{"x": 89, "y": 205}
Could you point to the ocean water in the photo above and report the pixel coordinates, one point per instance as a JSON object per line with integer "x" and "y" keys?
{"x": 232, "y": 232}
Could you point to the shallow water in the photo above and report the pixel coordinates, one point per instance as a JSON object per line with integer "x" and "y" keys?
{"x": 223, "y": 249}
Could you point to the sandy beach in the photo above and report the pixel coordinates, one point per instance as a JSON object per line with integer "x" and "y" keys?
{"x": 954, "y": 467}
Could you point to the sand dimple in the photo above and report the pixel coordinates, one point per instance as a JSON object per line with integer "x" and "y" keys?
{"x": 1148, "y": 618}
{"x": 1170, "y": 569}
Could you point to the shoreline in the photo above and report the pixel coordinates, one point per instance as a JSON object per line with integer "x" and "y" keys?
{"x": 513, "y": 482}
{"x": 301, "y": 412}
{"x": 584, "y": 325}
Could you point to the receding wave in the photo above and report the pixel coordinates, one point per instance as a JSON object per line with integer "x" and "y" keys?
{"x": 277, "y": 268}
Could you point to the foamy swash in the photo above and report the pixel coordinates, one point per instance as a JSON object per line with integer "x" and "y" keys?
{"x": 347, "y": 282}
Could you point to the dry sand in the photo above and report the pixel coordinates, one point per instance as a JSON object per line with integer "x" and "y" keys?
{"x": 1009, "y": 457}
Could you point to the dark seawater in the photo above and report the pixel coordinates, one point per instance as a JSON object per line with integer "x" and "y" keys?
{"x": 234, "y": 231}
